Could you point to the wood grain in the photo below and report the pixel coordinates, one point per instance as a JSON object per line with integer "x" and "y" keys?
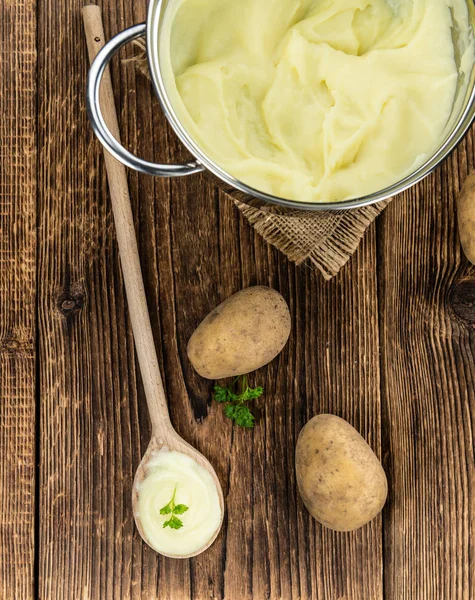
{"x": 428, "y": 373}
{"x": 67, "y": 242}
{"x": 17, "y": 298}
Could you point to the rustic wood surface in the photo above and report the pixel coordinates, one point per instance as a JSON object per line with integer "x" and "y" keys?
{"x": 17, "y": 297}
{"x": 389, "y": 345}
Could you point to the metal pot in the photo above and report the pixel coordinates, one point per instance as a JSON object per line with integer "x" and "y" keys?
{"x": 462, "y": 116}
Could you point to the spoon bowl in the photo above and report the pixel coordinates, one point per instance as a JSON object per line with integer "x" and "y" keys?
{"x": 170, "y": 440}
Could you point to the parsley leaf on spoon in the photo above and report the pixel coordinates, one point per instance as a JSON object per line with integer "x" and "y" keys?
{"x": 173, "y": 509}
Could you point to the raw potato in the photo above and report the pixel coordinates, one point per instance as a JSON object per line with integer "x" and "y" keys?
{"x": 245, "y": 332}
{"x": 340, "y": 479}
{"x": 466, "y": 217}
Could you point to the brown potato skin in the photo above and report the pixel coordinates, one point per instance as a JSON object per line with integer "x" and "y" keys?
{"x": 245, "y": 332}
{"x": 466, "y": 217}
{"x": 340, "y": 479}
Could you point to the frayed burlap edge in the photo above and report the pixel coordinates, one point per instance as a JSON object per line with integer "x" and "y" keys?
{"x": 326, "y": 240}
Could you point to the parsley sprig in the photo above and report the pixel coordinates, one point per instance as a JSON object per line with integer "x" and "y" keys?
{"x": 234, "y": 398}
{"x": 173, "y": 509}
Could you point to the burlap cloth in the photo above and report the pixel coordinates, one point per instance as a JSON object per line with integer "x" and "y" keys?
{"x": 325, "y": 240}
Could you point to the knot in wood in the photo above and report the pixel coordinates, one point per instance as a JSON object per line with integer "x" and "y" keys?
{"x": 17, "y": 345}
{"x": 462, "y": 299}
{"x": 69, "y": 303}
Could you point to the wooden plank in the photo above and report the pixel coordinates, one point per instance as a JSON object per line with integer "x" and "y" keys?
{"x": 17, "y": 294}
{"x": 195, "y": 251}
{"x": 90, "y": 412}
{"x": 428, "y": 383}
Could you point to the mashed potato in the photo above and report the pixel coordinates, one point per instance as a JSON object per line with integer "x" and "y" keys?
{"x": 314, "y": 100}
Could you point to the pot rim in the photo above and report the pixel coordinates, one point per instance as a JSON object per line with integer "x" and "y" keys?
{"x": 458, "y": 131}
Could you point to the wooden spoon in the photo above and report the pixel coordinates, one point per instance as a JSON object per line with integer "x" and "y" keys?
{"x": 163, "y": 433}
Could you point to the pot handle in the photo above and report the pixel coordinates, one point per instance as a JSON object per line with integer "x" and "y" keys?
{"x": 97, "y": 120}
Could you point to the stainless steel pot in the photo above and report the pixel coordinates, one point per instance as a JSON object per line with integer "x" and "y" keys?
{"x": 460, "y": 121}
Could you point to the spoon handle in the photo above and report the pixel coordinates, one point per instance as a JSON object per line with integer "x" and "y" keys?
{"x": 126, "y": 239}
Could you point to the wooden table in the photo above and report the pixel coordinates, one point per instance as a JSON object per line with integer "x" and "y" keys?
{"x": 389, "y": 345}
